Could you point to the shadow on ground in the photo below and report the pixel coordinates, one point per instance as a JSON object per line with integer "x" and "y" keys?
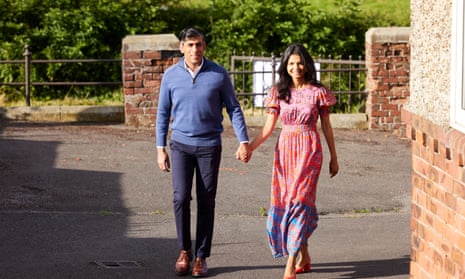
{"x": 366, "y": 269}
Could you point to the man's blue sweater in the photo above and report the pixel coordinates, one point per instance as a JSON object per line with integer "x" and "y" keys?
{"x": 195, "y": 106}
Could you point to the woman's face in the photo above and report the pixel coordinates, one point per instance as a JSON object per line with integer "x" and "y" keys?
{"x": 295, "y": 67}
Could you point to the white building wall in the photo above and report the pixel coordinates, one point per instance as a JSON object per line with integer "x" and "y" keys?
{"x": 430, "y": 40}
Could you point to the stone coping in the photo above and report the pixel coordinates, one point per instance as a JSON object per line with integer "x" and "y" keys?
{"x": 150, "y": 42}
{"x": 391, "y": 35}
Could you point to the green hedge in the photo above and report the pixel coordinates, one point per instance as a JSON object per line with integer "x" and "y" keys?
{"x": 70, "y": 29}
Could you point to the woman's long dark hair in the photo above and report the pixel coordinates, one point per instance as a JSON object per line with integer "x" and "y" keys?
{"x": 285, "y": 80}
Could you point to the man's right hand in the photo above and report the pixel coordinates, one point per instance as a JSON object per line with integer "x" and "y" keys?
{"x": 163, "y": 160}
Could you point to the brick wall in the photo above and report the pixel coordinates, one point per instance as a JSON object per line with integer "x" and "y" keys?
{"x": 438, "y": 199}
{"x": 387, "y": 61}
{"x": 144, "y": 60}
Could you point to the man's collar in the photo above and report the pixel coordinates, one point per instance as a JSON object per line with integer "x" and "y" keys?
{"x": 198, "y": 69}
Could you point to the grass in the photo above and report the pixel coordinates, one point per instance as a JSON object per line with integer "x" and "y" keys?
{"x": 396, "y": 10}
{"x": 105, "y": 212}
{"x": 373, "y": 210}
{"x": 112, "y": 99}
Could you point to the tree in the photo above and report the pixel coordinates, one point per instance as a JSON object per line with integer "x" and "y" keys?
{"x": 72, "y": 29}
{"x": 251, "y": 26}
{"x": 75, "y": 29}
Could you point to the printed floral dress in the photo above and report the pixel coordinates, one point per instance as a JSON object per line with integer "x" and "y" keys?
{"x": 292, "y": 216}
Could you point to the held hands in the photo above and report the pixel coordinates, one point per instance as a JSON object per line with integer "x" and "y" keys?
{"x": 244, "y": 153}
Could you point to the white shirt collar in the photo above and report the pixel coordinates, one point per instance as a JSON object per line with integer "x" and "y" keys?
{"x": 193, "y": 73}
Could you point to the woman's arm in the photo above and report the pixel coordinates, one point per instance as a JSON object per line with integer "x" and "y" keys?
{"x": 266, "y": 131}
{"x": 328, "y": 132}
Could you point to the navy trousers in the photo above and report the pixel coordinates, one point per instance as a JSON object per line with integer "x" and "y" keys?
{"x": 204, "y": 161}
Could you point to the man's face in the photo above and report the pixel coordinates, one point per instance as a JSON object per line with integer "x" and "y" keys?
{"x": 193, "y": 50}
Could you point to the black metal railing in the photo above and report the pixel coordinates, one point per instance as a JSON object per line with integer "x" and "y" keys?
{"x": 252, "y": 76}
{"x": 27, "y": 83}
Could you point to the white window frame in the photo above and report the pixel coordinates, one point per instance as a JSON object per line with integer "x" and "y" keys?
{"x": 457, "y": 94}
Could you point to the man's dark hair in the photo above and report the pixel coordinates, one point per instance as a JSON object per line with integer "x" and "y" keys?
{"x": 190, "y": 32}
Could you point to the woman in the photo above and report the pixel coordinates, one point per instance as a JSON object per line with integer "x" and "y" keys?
{"x": 299, "y": 99}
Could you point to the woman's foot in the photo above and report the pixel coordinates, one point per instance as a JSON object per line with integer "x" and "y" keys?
{"x": 289, "y": 271}
{"x": 302, "y": 269}
{"x": 303, "y": 265}
{"x": 291, "y": 275}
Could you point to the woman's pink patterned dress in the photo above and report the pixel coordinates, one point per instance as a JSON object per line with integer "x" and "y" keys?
{"x": 292, "y": 216}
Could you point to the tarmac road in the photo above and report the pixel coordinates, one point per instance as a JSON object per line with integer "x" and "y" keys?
{"x": 88, "y": 201}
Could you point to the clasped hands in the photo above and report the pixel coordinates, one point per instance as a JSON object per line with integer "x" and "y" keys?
{"x": 244, "y": 152}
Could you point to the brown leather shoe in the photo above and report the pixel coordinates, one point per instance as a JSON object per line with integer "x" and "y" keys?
{"x": 182, "y": 264}
{"x": 200, "y": 268}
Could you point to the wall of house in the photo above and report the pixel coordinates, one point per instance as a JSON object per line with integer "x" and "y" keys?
{"x": 438, "y": 176}
{"x": 430, "y": 64}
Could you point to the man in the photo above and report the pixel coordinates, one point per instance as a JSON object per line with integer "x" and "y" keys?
{"x": 192, "y": 95}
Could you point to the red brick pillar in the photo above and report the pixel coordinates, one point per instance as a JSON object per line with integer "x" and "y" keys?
{"x": 144, "y": 60}
{"x": 388, "y": 64}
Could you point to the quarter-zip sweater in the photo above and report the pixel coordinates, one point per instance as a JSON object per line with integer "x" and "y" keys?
{"x": 195, "y": 106}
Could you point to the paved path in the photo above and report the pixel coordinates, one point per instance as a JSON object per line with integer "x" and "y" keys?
{"x": 87, "y": 201}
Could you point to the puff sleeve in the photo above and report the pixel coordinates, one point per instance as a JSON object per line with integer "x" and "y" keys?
{"x": 271, "y": 101}
{"x": 325, "y": 100}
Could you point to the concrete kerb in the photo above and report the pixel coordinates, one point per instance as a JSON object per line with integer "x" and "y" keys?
{"x": 65, "y": 114}
{"x": 116, "y": 114}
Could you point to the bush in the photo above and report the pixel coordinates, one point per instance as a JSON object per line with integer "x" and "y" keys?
{"x": 68, "y": 29}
